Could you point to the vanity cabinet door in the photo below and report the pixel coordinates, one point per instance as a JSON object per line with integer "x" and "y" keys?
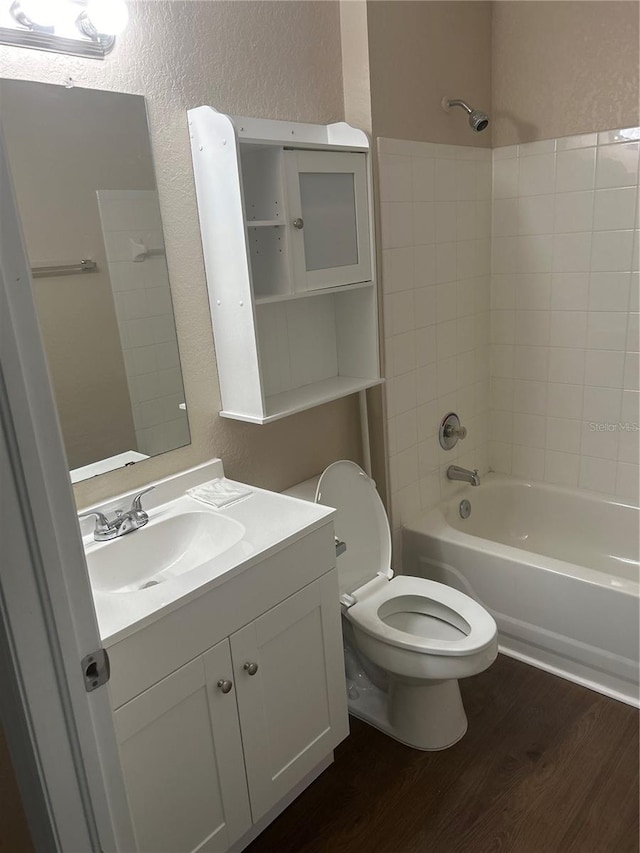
{"x": 293, "y": 709}
{"x": 328, "y": 209}
{"x": 182, "y": 759}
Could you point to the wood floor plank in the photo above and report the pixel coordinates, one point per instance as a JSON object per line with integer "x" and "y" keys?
{"x": 545, "y": 767}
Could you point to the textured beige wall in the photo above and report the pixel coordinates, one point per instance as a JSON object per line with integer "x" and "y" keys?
{"x": 420, "y": 52}
{"x": 561, "y": 68}
{"x": 56, "y": 179}
{"x": 273, "y": 59}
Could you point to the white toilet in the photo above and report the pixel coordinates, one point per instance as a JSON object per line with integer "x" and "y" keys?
{"x": 413, "y": 638}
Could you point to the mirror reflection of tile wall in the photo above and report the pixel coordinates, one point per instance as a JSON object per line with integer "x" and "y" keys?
{"x": 84, "y": 177}
{"x": 134, "y": 244}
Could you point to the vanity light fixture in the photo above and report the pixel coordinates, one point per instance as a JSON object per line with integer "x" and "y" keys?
{"x": 85, "y": 28}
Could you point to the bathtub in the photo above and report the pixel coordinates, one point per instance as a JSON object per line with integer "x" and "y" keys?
{"x": 557, "y": 568}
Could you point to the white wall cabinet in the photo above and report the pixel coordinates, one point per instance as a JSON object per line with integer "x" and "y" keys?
{"x": 214, "y": 746}
{"x": 287, "y": 231}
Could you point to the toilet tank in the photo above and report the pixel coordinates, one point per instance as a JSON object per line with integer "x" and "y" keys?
{"x": 305, "y": 491}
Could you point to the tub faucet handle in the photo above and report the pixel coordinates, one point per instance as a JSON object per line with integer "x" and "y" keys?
{"x": 451, "y": 431}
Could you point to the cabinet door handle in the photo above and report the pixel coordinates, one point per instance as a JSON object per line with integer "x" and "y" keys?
{"x": 251, "y": 668}
{"x": 298, "y": 223}
{"x": 225, "y": 685}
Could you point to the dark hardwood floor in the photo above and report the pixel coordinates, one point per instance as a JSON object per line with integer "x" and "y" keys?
{"x": 545, "y": 767}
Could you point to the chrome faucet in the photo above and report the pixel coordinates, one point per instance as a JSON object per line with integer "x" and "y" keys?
{"x": 454, "y": 472}
{"x": 123, "y": 523}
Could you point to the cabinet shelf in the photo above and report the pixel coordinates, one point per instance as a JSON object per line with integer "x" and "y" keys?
{"x": 297, "y": 400}
{"x": 265, "y": 223}
{"x": 305, "y": 294}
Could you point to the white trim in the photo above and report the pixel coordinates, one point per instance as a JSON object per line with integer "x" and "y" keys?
{"x": 46, "y": 600}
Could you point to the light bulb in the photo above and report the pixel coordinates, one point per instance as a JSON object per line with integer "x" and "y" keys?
{"x": 109, "y": 17}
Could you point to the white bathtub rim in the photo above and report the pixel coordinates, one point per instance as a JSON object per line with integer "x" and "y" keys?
{"x": 549, "y": 644}
{"x": 435, "y": 525}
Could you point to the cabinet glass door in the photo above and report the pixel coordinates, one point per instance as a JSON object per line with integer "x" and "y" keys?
{"x": 327, "y": 195}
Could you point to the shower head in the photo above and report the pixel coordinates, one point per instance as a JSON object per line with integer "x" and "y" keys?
{"x": 478, "y": 121}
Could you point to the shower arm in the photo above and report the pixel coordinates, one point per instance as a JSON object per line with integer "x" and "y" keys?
{"x": 456, "y": 102}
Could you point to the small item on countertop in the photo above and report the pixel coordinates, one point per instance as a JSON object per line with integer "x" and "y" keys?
{"x": 220, "y": 492}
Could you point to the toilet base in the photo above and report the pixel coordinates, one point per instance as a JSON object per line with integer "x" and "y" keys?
{"x": 426, "y": 717}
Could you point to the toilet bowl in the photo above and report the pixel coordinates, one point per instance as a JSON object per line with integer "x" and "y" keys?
{"x": 407, "y": 640}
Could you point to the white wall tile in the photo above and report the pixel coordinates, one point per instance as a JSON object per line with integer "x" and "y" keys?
{"x": 528, "y": 462}
{"x": 423, "y": 178}
{"x": 611, "y": 251}
{"x": 627, "y": 482}
{"x": 575, "y": 170}
{"x": 535, "y": 253}
{"x": 583, "y": 140}
{"x": 568, "y": 329}
{"x": 598, "y": 475}
{"x": 615, "y": 209}
{"x": 566, "y": 365}
{"x": 505, "y": 217}
{"x": 573, "y": 212}
{"x": 609, "y": 291}
{"x": 537, "y": 174}
{"x": 565, "y": 401}
{"x": 505, "y": 178}
{"x": 607, "y": 330}
{"x": 531, "y": 363}
{"x": 563, "y": 434}
{"x": 533, "y": 291}
{"x": 602, "y": 404}
{"x": 570, "y": 291}
{"x": 395, "y": 178}
{"x": 571, "y": 252}
{"x": 562, "y": 469}
{"x": 617, "y": 165}
{"x": 397, "y": 269}
{"x": 424, "y": 222}
{"x": 604, "y": 368}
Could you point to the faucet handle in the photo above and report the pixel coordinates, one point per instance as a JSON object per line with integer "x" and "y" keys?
{"x": 136, "y": 504}
{"x": 102, "y": 530}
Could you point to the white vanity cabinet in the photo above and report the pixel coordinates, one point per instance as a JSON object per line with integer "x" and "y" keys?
{"x": 291, "y": 709}
{"x": 231, "y": 728}
{"x": 182, "y": 760}
{"x": 287, "y": 232}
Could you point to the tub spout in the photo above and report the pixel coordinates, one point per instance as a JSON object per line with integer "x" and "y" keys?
{"x": 454, "y": 472}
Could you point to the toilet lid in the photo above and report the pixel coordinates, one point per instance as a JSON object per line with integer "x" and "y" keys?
{"x": 361, "y": 523}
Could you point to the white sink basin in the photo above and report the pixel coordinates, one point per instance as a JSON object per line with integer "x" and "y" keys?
{"x": 164, "y": 549}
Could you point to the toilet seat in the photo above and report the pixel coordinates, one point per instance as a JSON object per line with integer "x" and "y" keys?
{"x": 371, "y": 594}
{"x": 381, "y": 598}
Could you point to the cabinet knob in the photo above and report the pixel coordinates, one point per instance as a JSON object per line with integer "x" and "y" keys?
{"x": 298, "y": 223}
{"x": 225, "y": 685}
{"x": 251, "y": 668}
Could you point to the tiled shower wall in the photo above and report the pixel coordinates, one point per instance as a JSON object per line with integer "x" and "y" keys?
{"x": 435, "y": 234}
{"x": 564, "y": 312}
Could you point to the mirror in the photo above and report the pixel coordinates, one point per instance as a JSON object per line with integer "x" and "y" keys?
{"x": 85, "y": 185}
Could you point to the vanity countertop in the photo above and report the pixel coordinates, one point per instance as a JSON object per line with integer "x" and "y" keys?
{"x": 271, "y": 522}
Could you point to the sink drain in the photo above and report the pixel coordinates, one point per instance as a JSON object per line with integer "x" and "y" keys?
{"x": 149, "y": 583}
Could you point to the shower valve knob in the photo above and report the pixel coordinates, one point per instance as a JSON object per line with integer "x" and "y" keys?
{"x": 451, "y": 431}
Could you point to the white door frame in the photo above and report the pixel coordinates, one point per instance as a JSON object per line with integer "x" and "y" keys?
{"x": 61, "y": 738}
